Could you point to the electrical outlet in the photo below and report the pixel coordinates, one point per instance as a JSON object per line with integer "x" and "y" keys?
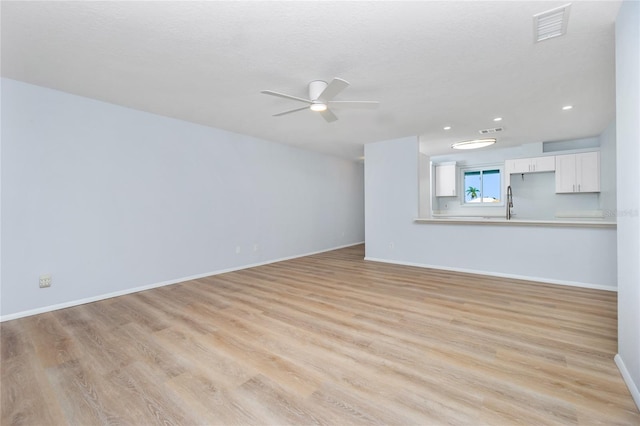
{"x": 45, "y": 280}
{"x": 238, "y": 250}
{"x": 256, "y": 247}
{"x": 392, "y": 246}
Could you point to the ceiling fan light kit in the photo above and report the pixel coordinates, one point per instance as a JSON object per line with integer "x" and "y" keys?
{"x": 321, "y": 97}
{"x": 318, "y": 106}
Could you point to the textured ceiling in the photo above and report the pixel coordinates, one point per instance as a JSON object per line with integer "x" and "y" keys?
{"x": 430, "y": 64}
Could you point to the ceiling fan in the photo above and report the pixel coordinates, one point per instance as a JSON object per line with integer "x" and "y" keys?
{"x": 321, "y": 97}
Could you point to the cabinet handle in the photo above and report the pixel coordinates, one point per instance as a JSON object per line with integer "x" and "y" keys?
{"x": 578, "y": 187}
{"x": 574, "y": 187}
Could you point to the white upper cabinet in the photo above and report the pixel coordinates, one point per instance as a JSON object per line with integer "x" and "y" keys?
{"x": 445, "y": 177}
{"x": 578, "y": 172}
{"x": 544, "y": 164}
{"x": 530, "y": 165}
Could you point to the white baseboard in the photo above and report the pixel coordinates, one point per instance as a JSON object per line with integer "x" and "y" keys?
{"x": 635, "y": 393}
{"x": 77, "y": 302}
{"x": 497, "y": 274}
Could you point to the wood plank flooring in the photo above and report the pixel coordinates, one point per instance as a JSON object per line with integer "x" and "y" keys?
{"x": 325, "y": 339}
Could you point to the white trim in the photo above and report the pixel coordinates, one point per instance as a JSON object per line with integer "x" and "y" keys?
{"x": 498, "y": 274}
{"x": 160, "y": 284}
{"x": 635, "y": 393}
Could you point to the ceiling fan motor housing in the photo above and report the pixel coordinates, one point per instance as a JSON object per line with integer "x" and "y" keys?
{"x": 316, "y": 88}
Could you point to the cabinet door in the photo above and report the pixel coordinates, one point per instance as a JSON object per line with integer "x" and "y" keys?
{"x": 519, "y": 165}
{"x": 530, "y": 165}
{"x": 588, "y": 172}
{"x": 565, "y": 173}
{"x": 543, "y": 164}
{"x": 446, "y": 180}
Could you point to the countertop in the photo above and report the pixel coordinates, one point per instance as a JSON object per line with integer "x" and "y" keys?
{"x": 501, "y": 221}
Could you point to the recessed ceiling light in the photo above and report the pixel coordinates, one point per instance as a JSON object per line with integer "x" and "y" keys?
{"x": 567, "y": 107}
{"x": 474, "y": 144}
{"x": 447, "y": 128}
{"x": 497, "y": 119}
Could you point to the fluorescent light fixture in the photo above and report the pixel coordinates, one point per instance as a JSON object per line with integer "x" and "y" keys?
{"x": 567, "y": 107}
{"x": 497, "y": 119}
{"x": 552, "y": 23}
{"x": 318, "y": 107}
{"x": 474, "y": 144}
{"x": 447, "y": 128}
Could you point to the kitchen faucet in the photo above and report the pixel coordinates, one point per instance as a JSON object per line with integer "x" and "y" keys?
{"x": 509, "y": 202}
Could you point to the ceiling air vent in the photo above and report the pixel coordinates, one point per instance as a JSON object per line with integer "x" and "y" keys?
{"x": 552, "y": 23}
{"x": 488, "y": 131}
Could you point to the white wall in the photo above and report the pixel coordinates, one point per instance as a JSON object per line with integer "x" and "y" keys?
{"x": 578, "y": 256}
{"x": 109, "y": 199}
{"x": 628, "y": 144}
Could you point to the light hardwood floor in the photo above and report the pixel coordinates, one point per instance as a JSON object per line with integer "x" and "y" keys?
{"x": 325, "y": 339}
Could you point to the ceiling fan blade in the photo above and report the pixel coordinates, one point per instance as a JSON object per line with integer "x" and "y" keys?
{"x": 328, "y": 115}
{"x": 283, "y": 95}
{"x": 336, "y": 86}
{"x": 289, "y": 112}
{"x": 356, "y": 104}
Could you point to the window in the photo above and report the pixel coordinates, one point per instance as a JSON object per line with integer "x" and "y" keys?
{"x": 482, "y": 186}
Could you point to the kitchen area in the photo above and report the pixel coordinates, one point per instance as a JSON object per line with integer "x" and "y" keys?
{"x": 560, "y": 230}
{"x": 560, "y": 183}
{"x": 567, "y": 238}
